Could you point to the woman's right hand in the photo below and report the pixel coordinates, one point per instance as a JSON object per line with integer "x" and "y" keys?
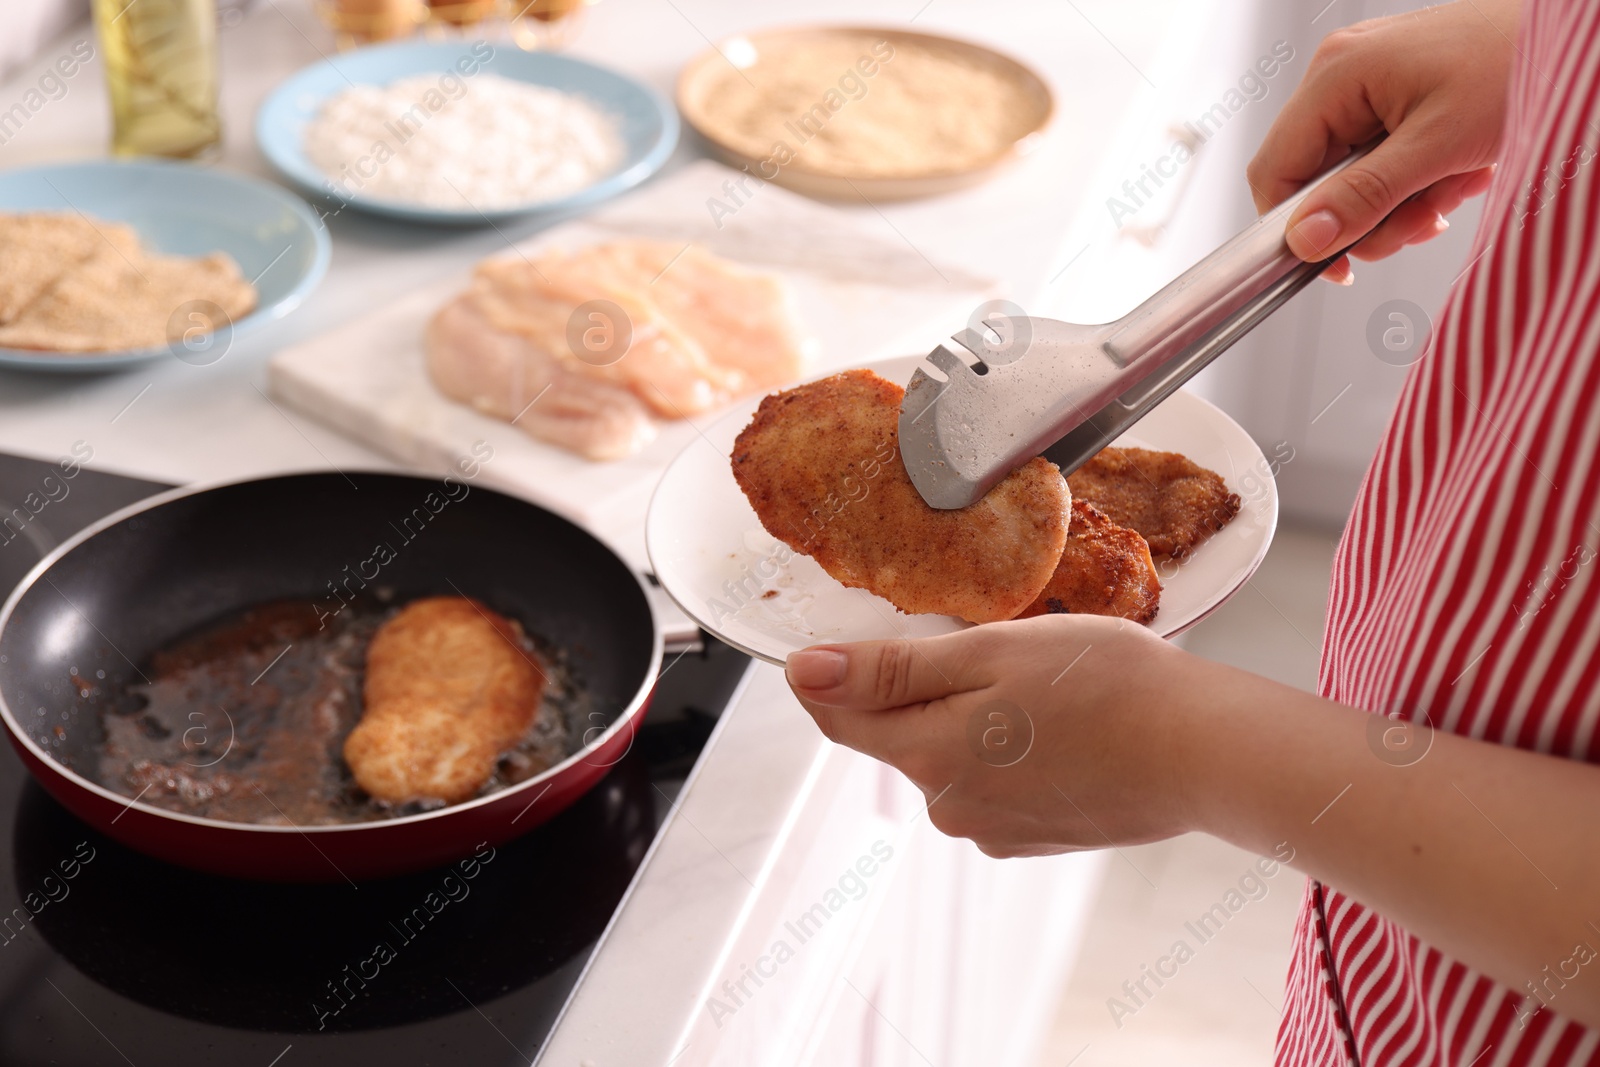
{"x": 1436, "y": 81}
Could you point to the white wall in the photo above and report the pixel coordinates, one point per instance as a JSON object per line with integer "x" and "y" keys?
{"x": 25, "y": 25}
{"x": 1280, "y": 380}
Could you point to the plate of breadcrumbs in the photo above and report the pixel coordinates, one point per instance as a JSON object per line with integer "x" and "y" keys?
{"x": 852, "y": 112}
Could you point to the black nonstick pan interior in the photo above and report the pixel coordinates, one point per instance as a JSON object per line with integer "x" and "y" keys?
{"x": 143, "y": 580}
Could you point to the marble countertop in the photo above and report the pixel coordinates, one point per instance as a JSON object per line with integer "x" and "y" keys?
{"x": 184, "y": 423}
{"x": 765, "y": 769}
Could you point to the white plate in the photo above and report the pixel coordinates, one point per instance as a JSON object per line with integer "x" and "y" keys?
{"x": 749, "y": 590}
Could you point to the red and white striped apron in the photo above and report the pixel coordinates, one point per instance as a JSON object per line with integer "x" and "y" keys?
{"x": 1465, "y": 589}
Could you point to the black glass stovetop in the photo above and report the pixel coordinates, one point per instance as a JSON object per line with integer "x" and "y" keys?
{"x": 110, "y": 957}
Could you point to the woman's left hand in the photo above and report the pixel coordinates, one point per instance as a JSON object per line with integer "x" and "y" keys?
{"x": 1030, "y": 737}
{"x": 1072, "y": 732}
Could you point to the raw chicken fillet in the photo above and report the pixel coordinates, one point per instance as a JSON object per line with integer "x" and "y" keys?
{"x": 531, "y": 342}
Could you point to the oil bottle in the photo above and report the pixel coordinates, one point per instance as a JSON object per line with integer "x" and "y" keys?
{"x": 161, "y": 70}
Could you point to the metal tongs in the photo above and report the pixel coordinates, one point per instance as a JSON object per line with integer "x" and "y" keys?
{"x": 1066, "y": 391}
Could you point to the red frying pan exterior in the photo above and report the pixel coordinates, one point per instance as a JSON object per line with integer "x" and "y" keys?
{"x": 324, "y": 854}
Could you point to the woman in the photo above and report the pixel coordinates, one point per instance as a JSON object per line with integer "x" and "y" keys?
{"x": 1453, "y": 911}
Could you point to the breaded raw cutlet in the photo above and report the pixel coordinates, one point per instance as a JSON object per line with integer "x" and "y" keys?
{"x": 41, "y": 247}
{"x": 127, "y": 298}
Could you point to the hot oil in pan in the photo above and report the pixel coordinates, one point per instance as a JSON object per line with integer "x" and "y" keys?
{"x": 245, "y": 720}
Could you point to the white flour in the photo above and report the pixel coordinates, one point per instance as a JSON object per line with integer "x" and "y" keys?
{"x": 484, "y": 142}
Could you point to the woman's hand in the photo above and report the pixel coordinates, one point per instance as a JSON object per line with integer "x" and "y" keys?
{"x": 1071, "y": 732}
{"x": 1030, "y": 737}
{"x": 1436, "y": 80}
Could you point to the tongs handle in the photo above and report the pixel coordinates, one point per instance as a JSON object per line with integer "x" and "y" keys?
{"x": 1181, "y": 329}
{"x": 1229, "y": 283}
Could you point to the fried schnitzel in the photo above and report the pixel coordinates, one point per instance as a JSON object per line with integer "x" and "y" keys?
{"x": 449, "y": 688}
{"x": 1173, "y": 502}
{"x": 821, "y": 466}
{"x": 1105, "y": 569}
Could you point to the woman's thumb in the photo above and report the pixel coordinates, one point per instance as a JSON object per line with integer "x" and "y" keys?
{"x": 1351, "y": 204}
{"x": 871, "y": 675}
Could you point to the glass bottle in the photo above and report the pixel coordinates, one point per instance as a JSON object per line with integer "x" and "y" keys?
{"x": 161, "y": 70}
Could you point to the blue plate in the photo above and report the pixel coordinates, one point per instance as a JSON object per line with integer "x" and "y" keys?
{"x": 647, "y": 121}
{"x": 188, "y": 210}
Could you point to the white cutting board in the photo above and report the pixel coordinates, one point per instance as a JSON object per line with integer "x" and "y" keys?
{"x": 860, "y": 290}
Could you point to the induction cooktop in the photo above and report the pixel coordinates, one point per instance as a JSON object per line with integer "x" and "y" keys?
{"x": 109, "y": 957}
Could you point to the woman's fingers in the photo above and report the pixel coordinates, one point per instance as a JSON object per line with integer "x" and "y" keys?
{"x": 872, "y": 675}
{"x": 999, "y": 724}
{"x": 874, "y": 696}
{"x": 1419, "y": 219}
{"x": 1330, "y": 110}
{"x": 1447, "y": 194}
{"x": 1435, "y": 81}
{"x": 1411, "y": 222}
{"x": 1348, "y": 206}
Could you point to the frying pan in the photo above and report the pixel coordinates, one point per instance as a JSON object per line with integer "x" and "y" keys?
{"x": 132, "y": 583}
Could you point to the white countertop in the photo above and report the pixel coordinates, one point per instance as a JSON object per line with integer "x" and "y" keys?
{"x": 759, "y": 781}
{"x": 203, "y": 423}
